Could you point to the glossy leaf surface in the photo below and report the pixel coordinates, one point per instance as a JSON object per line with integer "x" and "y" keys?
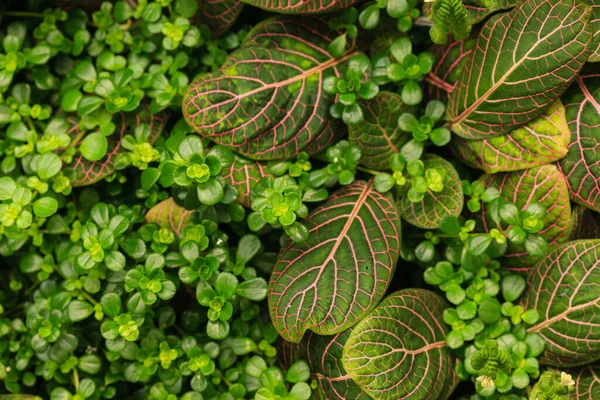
{"x": 168, "y": 214}
{"x": 329, "y": 282}
{"x": 563, "y": 288}
{"x": 587, "y": 382}
{"x": 523, "y": 62}
{"x": 267, "y": 101}
{"x": 399, "y": 350}
{"x": 595, "y": 21}
{"x": 450, "y": 63}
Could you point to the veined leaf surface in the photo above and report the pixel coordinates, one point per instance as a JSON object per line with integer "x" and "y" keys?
{"x": 523, "y": 62}
{"x": 329, "y": 282}
{"x": 220, "y": 15}
{"x": 541, "y": 141}
{"x": 587, "y": 382}
{"x": 580, "y": 166}
{"x": 584, "y": 222}
{"x": 243, "y": 175}
{"x": 428, "y": 212}
{"x": 168, "y": 214}
{"x": 544, "y": 185}
{"x": 301, "y": 6}
{"x": 379, "y": 136}
{"x": 450, "y": 63}
{"x": 595, "y": 21}
{"x": 563, "y": 288}
{"x": 399, "y": 350}
{"x": 267, "y": 101}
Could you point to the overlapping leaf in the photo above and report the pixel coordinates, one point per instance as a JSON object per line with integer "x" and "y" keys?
{"x": 544, "y": 185}
{"x": 379, "y": 136}
{"x": 329, "y": 282}
{"x": 243, "y": 175}
{"x": 168, "y": 214}
{"x": 399, "y": 350}
{"x": 324, "y": 355}
{"x": 88, "y": 172}
{"x": 563, "y": 288}
{"x": 267, "y": 101}
{"x": 451, "y": 60}
{"x": 584, "y": 223}
{"x": 220, "y": 15}
{"x": 428, "y": 212}
{"x": 581, "y": 166}
{"x": 523, "y": 61}
{"x": 541, "y": 141}
{"x": 301, "y": 6}
{"x": 587, "y": 382}
{"x": 595, "y": 21}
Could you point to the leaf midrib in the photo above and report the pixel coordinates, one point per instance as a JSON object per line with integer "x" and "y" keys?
{"x": 550, "y": 321}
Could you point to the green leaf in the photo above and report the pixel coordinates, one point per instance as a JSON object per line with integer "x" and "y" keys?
{"x": 544, "y": 185}
{"x": 379, "y": 136}
{"x": 562, "y": 288}
{"x": 88, "y": 105}
{"x": 220, "y": 15}
{"x": 287, "y": 91}
{"x": 595, "y": 22}
{"x": 429, "y": 212}
{"x": 111, "y": 304}
{"x": 186, "y": 8}
{"x": 541, "y": 141}
{"x": 305, "y": 290}
{"x": 45, "y": 207}
{"x": 79, "y": 310}
{"x": 243, "y": 174}
{"x": 94, "y": 146}
{"x": 541, "y": 41}
{"x": 399, "y": 349}
{"x": 168, "y": 214}
{"x": 48, "y": 165}
{"x": 305, "y": 7}
{"x": 210, "y": 192}
{"x": 254, "y": 289}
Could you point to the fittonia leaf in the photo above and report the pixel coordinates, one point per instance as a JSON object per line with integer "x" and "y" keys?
{"x": 168, "y": 214}
{"x": 329, "y": 282}
{"x": 451, "y": 59}
{"x": 544, "y": 185}
{"x": 595, "y": 21}
{"x": 523, "y": 61}
{"x": 324, "y": 355}
{"x": 580, "y": 166}
{"x": 563, "y": 288}
{"x": 428, "y": 212}
{"x": 220, "y": 15}
{"x": 267, "y": 101}
{"x": 301, "y": 6}
{"x": 587, "y": 382}
{"x": 379, "y": 136}
{"x": 88, "y": 172}
{"x": 243, "y": 174}
{"x": 584, "y": 222}
{"x": 541, "y": 141}
{"x": 398, "y": 351}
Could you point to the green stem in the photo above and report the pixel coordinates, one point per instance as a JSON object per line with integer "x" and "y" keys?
{"x": 88, "y": 297}
{"x": 25, "y": 14}
{"x": 370, "y": 171}
{"x": 76, "y": 379}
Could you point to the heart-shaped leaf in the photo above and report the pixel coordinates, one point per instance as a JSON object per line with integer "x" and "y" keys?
{"x": 581, "y": 166}
{"x": 243, "y": 174}
{"x": 584, "y": 222}
{"x": 541, "y": 141}
{"x": 428, "y": 212}
{"x": 168, "y": 214}
{"x": 88, "y": 172}
{"x": 544, "y": 185}
{"x": 379, "y": 136}
{"x": 220, "y": 15}
{"x": 451, "y": 59}
{"x": 563, "y": 288}
{"x": 301, "y": 6}
{"x": 595, "y": 21}
{"x": 329, "y": 282}
{"x": 523, "y": 61}
{"x": 398, "y": 351}
{"x": 267, "y": 101}
{"x": 324, "y": 356}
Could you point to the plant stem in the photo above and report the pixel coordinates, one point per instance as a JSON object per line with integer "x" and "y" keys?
{"x": 25, "y": 14}
{"x": 88, "y": 297}
{"x": 76, "y": 379}
{"x": 370, "y": 171}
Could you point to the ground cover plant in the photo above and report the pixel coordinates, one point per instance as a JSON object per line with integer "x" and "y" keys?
{"x": 268, "y": 199}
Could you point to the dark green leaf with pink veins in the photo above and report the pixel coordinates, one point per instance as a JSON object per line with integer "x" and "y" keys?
{"x": 595, "y": 20}
{"x": 450, "y": 63}
{"x": 243, "y": 175}
{"x": 324, "y": 356}
{"x": 563, "y": 288}
{"x": 220, "y": 15}
{"x": 544, "y": 185}
{"x": 580, "y": 166}
{"x": 524, "y": 60}
{"x": 379, "y": 136}
{"x": 301, "y": 6}
{"x": 167, "y": 214}
{"x": 587, "y": 382}
{"x": 584, "y": 223}
{"x": 399, "y": 350}
{"x": 329, "y": 282}
{"x": 428, "y": 212}
{"x": 267, "y": 101}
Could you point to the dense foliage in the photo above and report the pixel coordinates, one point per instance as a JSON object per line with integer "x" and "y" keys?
{"x": 206, "y": 199}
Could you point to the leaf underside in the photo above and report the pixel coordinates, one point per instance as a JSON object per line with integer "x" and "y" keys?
{"x": 329, "y": 282}
{"x": 541, "y": 141}
{"x": 544, "y": 185}
{"x": 220, "y": 15}
{"x": 524, "y": 60}
{"x": 379, "y": 136}
{"x": 301, "y": 6}
{"x": 580, "y": 166}
{"x": 450, "y": 63}
{"x": 563, "y": 288}
{"x": 399, "y": 350}
{"x": 243, "y": 175}
{"x": 429, "y": 212}
{"x": 167, "y": 214}
{"x": 267, "y": 101}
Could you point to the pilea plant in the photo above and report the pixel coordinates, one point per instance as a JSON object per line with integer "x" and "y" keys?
{"x": 206, "y": 199}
